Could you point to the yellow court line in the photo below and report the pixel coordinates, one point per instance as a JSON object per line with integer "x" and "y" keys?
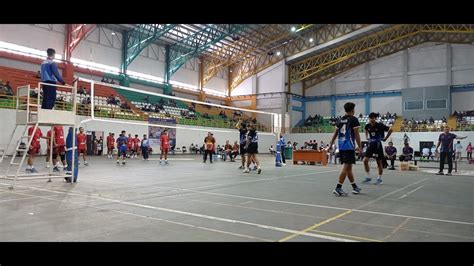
{"x": 350, "y": 236}
{"x": 314, "y": 226}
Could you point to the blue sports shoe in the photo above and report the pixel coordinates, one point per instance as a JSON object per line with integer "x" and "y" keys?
{"x": 356, "y": 190}
{"x": 378, "y": 181}
{"x": 339, "y": 192}
{"x": 367, "y": 180}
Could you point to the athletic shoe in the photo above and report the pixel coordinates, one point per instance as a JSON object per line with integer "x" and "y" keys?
{"x": 391, "y": 168}
{"x": 449, "y": 174}
{"x": 28, "y": 170}
{"x": 123, "y": 163}
{"x": 255, "y": 168}
{"x": 211, "y": 161}
{"x": 47, "y": 166}
{"x": 33, "y": 170}
{"x": 161, "y": 162}
{"x": 203, "y": 161}
{"x": 86, "y": 163}
{"x": 283, "y": 164}
{"x": 339, "y": 192}
{"x": 378, "y": 181}
{"x": 356, "y": 190}
{"x": 118, "y": 163}
{"x": 166, "y": 162}
{"x": 440, "y": 173}
{"x": 246, "y": 171}
{"x": 259, "y": 170}
{"x": 367, "y": 180}
{"x": 241, "y": 167}
{"x": 56, "y": 169}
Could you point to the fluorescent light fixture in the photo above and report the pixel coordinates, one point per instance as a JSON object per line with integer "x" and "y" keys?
{"x": 310, "y": 39}
{"x": 26, "y": 51}
{"x": 278, "y": 53}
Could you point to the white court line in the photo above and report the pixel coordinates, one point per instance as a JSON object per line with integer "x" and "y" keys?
{"x": 311, "y": 205}
{"x": 274, "y": 228}
{"x": 408, "y": 193}
{"x": 149, "y": 217}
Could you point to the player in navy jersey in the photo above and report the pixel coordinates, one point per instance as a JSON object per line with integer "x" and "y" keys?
{"x": 243, "y": 141}
{"x": 122, "y": 141}
{"x": 252, "y": 148}
{"x": 347, "y": 132}
{"x": 375, "y": 134}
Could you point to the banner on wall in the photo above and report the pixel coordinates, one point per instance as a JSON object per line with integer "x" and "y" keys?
{"x": 154, "y": 132}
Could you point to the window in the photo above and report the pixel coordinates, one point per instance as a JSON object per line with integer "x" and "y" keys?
{"x": 436, "y": 104}
{"x": 413, "y": 105}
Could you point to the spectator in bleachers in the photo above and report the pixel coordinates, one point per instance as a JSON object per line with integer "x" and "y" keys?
{"x": 117, "y": 100}
{"x": 8, "y": 89}
{"x": 444, "y": 120}
{"x": 431, "y": 120}
{"x": 111, "y": 100}
{"x": 81, "y": 91}
{"x": 86, "y": 100}
{"x": 407, "y": 153}
{"x": 146, "y": 99}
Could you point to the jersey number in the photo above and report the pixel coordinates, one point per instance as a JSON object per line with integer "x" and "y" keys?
{"x": 343, "y": 129}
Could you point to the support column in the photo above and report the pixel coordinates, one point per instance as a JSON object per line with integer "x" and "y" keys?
{"x": 367, "y": 103}
{"x": 333, "y": 105}
{"x": 333, "y": 97}
{"x": 367, "y": 88}
{"x": 202, "y": 95}
{"x": 405, "y": 68}
{"x": 167, "y": 64}
{"x": 449, "y": 64}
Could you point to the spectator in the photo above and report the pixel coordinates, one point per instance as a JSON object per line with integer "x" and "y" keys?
{"x": 469, "y": 151}
{"x": 431, "y": 120}
{"x": 8, "y": 89}
{"x": 407, "y": 153}
{"x": 444, "y": 120}
{"x": 146, "y": 99}
{"x": 111, "y": 100}
{"x": 81, "y": 91}
{"x": 38, "y": 74}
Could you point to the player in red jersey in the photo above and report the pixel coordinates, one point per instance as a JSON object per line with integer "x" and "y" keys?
{"x": 59, "y": 147}
{"x": 110, "y": 145}
{"x": 34, "y": 148}
{"x": 136, "y": 146}
{"x": 165, "y": 145}
{"x": 130, "y": 143}
{"x": 82, "y": 145}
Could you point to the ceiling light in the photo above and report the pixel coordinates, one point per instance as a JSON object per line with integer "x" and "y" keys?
{"x": 113, "y": 33}
{"x": 278, "y": 53}
{"x": 310, "y": 39}
{"x": 293, "y": 29}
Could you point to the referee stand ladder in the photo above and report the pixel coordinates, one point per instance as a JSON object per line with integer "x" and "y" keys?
{"x": 30, "y": 114}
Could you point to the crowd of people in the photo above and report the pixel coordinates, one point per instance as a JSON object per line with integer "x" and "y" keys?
{"x": 5, "y": 89}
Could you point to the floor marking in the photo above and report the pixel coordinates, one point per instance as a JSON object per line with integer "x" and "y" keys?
{"x": 396, "y": 229}
{"x": 349, "y": 236}
{"x": 408, "y": 193}
{"x": 313, "y": 226}
{"x": 308, "y": 204}
{"x": 204, "y": 216}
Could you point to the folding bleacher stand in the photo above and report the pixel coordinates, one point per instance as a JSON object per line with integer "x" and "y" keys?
{"x": 29, "y": 113}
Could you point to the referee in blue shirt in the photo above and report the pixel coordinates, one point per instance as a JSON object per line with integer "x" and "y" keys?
{"x": 50, "y": 74}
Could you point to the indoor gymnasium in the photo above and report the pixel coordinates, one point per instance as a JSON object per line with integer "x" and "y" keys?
{"x": 236, "y": 132}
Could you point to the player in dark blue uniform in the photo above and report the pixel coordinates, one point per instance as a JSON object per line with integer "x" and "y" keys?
{"x": 252, "y": 148}
{"x": 243, "y": 141}
{"x": 122, "y": 141}
{"x": 347, "y": 131}
{"x": 374, "y": 132}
